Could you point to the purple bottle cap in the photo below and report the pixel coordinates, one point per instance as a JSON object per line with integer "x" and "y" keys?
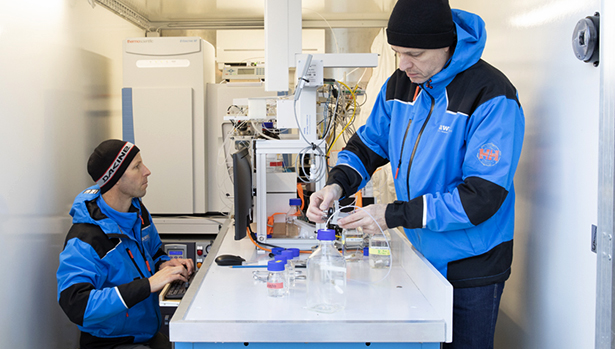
{"x": 275, "y": 265}
{"x": 326, "y": 234}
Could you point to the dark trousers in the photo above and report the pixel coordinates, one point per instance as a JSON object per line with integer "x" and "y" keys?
{"x": 475, "y": 312}
{"x": 160, "y": 341}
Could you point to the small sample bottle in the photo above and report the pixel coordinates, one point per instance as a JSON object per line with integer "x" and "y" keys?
{"x": 290, "y": 267}
{"x": 296, "y": 261}
{"x": 380, "y": 250}
{"x": 326, "y": 276}
{"x": 284, "y": 259}
{"x": 294, "y": 212}
{"x": 276, "y": 280}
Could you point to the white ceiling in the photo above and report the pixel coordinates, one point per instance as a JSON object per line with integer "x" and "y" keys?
{"x": 220, "y": 14}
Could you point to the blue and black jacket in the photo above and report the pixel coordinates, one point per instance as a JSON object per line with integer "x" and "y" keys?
{"x": 453, "y": 143}
{"x": 103, "y": 283}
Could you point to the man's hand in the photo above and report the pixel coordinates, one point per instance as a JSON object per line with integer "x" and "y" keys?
{"x": 321, "y": 200}
{"x": 187, "y": 263}
{"x": 361, "y": 218}
{"x": 175, "y": 269}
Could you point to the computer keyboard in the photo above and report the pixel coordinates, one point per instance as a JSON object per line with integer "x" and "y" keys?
{"x": 178, "y": 288}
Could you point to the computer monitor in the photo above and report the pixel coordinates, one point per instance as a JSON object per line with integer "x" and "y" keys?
{"x": 242, "y": 176}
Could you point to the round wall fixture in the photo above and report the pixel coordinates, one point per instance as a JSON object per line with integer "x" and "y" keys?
{"x": 585, "y": 39}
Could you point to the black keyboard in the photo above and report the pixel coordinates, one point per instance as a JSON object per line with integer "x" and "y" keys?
{"x": 178, "y": 288}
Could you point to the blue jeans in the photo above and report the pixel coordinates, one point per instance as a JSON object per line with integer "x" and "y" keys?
{"x": 475, "y": 312}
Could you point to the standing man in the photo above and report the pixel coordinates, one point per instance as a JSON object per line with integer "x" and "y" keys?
{"x": 451, "y": 126}
{"x": 112, "y": 265}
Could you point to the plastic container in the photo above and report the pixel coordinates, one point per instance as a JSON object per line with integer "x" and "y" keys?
{"x": 326, "y": 276}
{"x": 276, "y": 166}
{"x": 276, "y": 280}
{"x": 380, "y": 250}
{"x": 294, "y": 213}
{"x": 274, "y": 163}
{"x": 352, "y": 240}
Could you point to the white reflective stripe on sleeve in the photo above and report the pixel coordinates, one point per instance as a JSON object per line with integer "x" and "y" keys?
{"x": 424, "y": 211}
{"x": 120, "y": 295}
{"x": 357, "y": 171}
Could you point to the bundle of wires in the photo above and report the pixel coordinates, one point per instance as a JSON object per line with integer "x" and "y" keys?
{"x": 342, "y": 111}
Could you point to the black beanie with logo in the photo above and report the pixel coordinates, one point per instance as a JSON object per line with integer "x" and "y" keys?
{"x": 109, "y": 161}
{"x": 424, "y": 24}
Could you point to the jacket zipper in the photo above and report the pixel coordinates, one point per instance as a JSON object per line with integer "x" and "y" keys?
{"x": 418, "y": 138}
{"x": 132, "y": 258}
{"x": 402, "y": 147}
{"x": 403, "y": 143}
{"x": 416, "y": 144}
{"x": 140, "y": 251}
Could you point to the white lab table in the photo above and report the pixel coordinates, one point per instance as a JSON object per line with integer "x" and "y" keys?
{"x": 411, "y": 307}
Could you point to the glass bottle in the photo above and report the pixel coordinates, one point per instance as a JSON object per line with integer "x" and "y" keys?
{"x": 326, "y": 276}
{"x": 290, "y": 267}
{"x": 380, "y": 250}
{"x": 284, "y": 259}
{"x": 297, "y": 263}
{"x": 294, "y": 212}
{"x": 276, "y": 280}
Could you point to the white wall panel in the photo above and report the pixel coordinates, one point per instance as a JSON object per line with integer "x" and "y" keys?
{"x": 60, "y": 95}
{"x": 549, "y": 300}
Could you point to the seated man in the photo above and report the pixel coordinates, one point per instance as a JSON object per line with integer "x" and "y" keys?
{"x": 112, "y": 266}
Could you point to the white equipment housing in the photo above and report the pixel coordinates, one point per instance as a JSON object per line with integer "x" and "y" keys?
{"x": 163, "y": 107}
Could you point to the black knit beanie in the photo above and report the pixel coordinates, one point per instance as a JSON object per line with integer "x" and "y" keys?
{"x": 425, "y": 24}
{"x": 109, "y": 161}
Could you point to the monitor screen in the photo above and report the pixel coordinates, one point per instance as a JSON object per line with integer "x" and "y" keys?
{"x": 242, "y": 178}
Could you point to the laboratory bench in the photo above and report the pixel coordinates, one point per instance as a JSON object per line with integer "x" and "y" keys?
{"x": 408, "y": 305}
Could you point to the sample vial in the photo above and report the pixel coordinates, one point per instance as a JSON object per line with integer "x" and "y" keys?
{"x": 290, "y": 267}
{"x": 276, "y": 280}
{"x": 294, "y": 212}
{"x": 380, "y": 250}
{"x": 284, "y": 259}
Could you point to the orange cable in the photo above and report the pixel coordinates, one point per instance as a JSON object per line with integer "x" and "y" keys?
{"x": 300, "y": 194}
{"x": 254, "y": 242}
{"x": 270, "y": 222}
{"x": 264, "y": 248}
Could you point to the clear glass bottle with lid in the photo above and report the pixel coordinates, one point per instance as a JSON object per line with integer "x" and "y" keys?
{"x": 284, "y": 259}
{"x": 276, "y": 280}
{"x": 294, "y": 213}
{"x": 326, "y": 276}
{"x": 290, "y": 267}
